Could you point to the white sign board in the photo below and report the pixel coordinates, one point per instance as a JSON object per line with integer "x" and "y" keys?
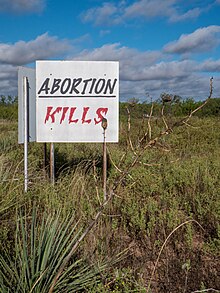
{"x": 72, "y": 99}
{"x": 31, "y": 104}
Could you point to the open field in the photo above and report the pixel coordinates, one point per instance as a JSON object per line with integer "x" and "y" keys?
{"x": 163, "y": 219}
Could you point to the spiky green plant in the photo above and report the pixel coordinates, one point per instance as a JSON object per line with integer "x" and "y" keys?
{"x": 40, "y": 248}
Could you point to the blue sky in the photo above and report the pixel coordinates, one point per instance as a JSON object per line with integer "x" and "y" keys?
{"x": 162, "y": 45}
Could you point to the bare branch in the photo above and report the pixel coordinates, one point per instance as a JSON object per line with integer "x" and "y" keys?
{"x": 149, "y": 164}
{"x": 149, "y": 120}
{"x": 148, "y": 132}
{"x": 119, "y": 179}
{"x": 186, "y": 119}
{"x": 164, "y": 244}
{"x": 163, "y": 118}
{"x": 206, "y": 290}
{"x": 113, "y": 163}
{"x": 129, "y": 131}
{"x": 76, "y": 245}
{"x": 96, "y": 181}
{"x": 156, "y": 164}
{"x": 187, "y": 124}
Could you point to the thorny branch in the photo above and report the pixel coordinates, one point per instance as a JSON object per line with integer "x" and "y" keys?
{"x": 95, "y": 179}
{"x": 187, "y": 118}
{"x": 149, "y": 130}
{"x": 149, "y": 120}
{"x": 163, "y": 118}
{"x": 116, "y": 183}
{"x": 206, "y": 290}
{"x": 164, "y": 244}
{"x": 129, "y": 131}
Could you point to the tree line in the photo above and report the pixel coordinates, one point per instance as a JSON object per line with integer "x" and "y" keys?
{"x": 174, "y": 106}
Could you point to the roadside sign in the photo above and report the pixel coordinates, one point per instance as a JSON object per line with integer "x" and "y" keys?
{"x": 30, "y": 106}
{"x": 72, "y": 98}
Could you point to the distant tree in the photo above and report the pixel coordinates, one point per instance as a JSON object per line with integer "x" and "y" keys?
{"x": 3, "y": 99}
{"x": 8, "y": 100}
{"x": 177, "y": 99}
{"x": 133, "y": 101}
{"x": 212, "y": 108}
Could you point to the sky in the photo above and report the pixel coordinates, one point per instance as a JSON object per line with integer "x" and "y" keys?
{"x": 170, "y": 46}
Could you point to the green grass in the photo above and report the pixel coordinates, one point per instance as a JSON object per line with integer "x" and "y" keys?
{"x": 40, "y": 249}
{"x": 173, "y": 182}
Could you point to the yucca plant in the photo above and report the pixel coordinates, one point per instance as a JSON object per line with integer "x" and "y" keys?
{"x": 40, "y": 248}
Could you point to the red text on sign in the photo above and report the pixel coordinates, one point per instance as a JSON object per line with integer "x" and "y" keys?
{"x": 61, "y": 114}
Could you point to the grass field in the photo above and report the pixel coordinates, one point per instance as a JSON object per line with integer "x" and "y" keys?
{"x": 159, "y": 233}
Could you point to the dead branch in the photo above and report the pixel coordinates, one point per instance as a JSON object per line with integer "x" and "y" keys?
{"x": 163, "y": 118}
{"x": 187, "y": 124}
{"x": 149, "y": 120}
{"x": 164, "y": 244}
{"x": 76, "y": 245}
{"x": 206, "y": 290}
{"x": 122, "y": 158}
{"x": 187, "y": 118}
{"x": 113, "y": 163}
{"x": 206, "y": 101}
{"x": 149, "y": 164}
{"x": 116, "y": 183}
{"x": 149, "y": 131}
{"x": 156, "y": 164}
{"x": 129, "y": 131}
{"x": 96, "y": 181}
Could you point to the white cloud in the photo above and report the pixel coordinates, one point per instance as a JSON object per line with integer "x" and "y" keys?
{"x": 107, "y": 14}
{"x": 149, "y": 8}
{"x": 190, "y": 14}
{"x": 103, "y": 33}
{"x": 142, "y": 72}
{"x": 136, "y": 65}
{"x": 7, "y": 72}
{"x": 21, "y": 5}
{"x": 132, "y": 62}
{"x": 42, "y": 47}
{"x": 201, "y": 40}
{"x": 111, "y": 13}
{"x": 8, "y": 80}
{"x": 21, "y": 53}
{"x": 210, "y": 66}
{"x": 169, "y": 70}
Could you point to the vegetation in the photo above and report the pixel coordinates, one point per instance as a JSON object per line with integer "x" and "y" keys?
{"x": 8, "y": 108}
{"x": 38, "y": 255}
{"x": 160, "y": 227}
